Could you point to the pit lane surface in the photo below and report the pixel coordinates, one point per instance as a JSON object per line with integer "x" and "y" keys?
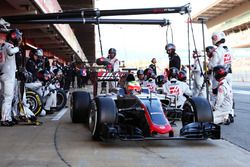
{"x": 60, "y": 143}
{"x": 238, "y": 132}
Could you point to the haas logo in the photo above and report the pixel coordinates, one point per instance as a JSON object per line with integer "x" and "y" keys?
{"x": 174, "y": 90}
{"x": 227, "y": 59}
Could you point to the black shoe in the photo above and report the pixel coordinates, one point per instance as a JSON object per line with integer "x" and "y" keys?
{"x": 7, "y": 123}
{"x": 227, "y": 122}
{"x": 33, "y": 119}
{"x": 49, "y": 112}
{"x": 14, "y": 120}
{"x": 231, "y": 118}
{"x": 22, "y": 118}
{"x": 54, "y": 109}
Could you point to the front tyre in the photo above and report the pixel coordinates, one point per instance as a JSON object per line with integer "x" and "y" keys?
{"x": 196, "y": 109}
{"x": 103, "y": 111}
{"x": 79, "y": 106}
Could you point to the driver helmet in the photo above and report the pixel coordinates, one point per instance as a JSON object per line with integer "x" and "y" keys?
{"x": 170, "y": 48}
{"x": 14, "y": 36}
{"x": 210, "y": 50}
{"x": 182, "y": 76}
{"x": 219, "y": 72}
{"x": 132, "y": 87}
{"x": 218, "y": 37}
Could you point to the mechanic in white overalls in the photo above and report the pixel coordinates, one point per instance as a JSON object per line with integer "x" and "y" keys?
{"x": 222, "y": 107}
{"x": 176, "y": 88}
{"x": 198, "y": 79}
{"x": 8, "y": 70}
{"x": 150, "y": 78}
{"x": 113, "y": 66}
{"x": 222, "y": 55}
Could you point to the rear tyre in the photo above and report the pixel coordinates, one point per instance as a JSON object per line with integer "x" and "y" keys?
{"x": 34, "y": 100}
{"x": 79, "y": 106}
{"x": 61, "y": 99}
{"x": 103, "y": 111}
{"x": 196, "y": 109}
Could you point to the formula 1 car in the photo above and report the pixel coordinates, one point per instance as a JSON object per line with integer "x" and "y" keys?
{"x": 140, "y": 116}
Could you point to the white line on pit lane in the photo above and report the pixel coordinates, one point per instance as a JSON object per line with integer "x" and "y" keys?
{"x": 243, "y": 92}
{"x": 60, "y": 114}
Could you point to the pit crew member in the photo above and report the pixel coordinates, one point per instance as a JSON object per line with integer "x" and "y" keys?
{"x": 176, "y": 88}
{"x": 198, "y": 79}
{"x": 8, "y": 69}
{"x": 113, "y": 66}
{"x": 222, "y": 107}
{"x": 222, "y": 55}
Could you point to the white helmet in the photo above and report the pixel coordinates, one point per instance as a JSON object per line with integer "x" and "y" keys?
{"x": 218, "y": 36}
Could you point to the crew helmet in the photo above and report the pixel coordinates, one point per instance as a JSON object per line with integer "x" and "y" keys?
{"x": 182, "y": 76}
{"x": 38, "y": 52}
{"x": 149, "y": 73}
{"x": 140, "y": 72}
{"x": 210, "y": 50}
{"x": 46, "y": 75}
{"x": 14, "y": 36}
{"x": 219, "y": 72}
{"x": 170, "y": 48}
{"x": 160, "y": 80}
{"x": 173, "y": 72}
{"x": 218, "y": 37}
{"x": 112, "y": 53}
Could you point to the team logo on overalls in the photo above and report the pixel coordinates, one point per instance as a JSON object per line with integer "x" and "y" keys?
{"x": 227, "y": 59}
{"x": 174, "y": 90}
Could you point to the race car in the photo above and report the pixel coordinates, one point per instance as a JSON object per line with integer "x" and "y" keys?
{"x": 140, "y": 115}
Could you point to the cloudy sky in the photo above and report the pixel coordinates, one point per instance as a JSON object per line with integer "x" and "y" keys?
{"x": 138, "y": 44}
